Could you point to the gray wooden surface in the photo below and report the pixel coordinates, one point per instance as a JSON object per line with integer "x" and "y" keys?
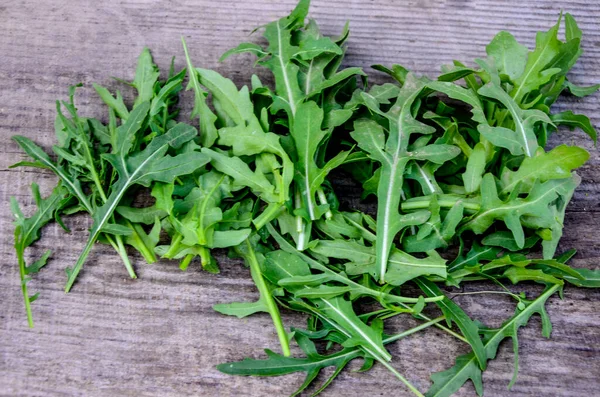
{"x": 158, "y": 336}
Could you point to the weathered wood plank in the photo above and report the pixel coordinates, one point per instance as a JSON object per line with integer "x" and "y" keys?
{"x": 158, "y": 335}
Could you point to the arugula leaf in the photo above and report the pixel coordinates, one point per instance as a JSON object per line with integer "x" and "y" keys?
{"x": 454, "y": 313}
{"x": 27, "y": 232}
{"x": 312, "y": 364}
{"x": 150, "y": 164}
{"x": 434, "y": 233}
{"x": 555, "y": 164}
{"x": 509, "y": 55}
{"x": 537, "y": 204}
{"x": 266, "y": 302}
{"x": 307, "y": 134}
{"x": 448, "y": 382}
{"x": 393, "y": 156}
{"x": 521, "y": 139}
{"x": 146, "y": 76}
{"x": 572, "y": 120}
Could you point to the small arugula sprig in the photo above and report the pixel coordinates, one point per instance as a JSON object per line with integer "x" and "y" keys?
{"x": 256, "y": 178}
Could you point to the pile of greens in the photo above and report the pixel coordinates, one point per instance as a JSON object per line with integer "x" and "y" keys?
{"x": 465, "y": 190}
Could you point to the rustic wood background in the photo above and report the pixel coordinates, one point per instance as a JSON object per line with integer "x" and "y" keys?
{"x": 158, "y": 336}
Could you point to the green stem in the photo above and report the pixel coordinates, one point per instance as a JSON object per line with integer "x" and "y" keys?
{"x": 119, "y": 239}
{"x": 78, "y": 265}
{"x": 268, "y": 299}
{"x": 148, "y": 254}
{"x": 120, "y": 248}
{"x": 446, "y": 202}
{"x": 175, "y": 243}
{"x": 413, "y": 330}
{"x": 398, "y": 375}
{"x": 23, "y": 275}
{"x": 123, "y": 254}
{"x": 205, "y": 258}
{"x": 323, "y": 201}
{"x": 270, "y": 213}
{"x": 185, "y": 262}
{"x": 300, "y": 226}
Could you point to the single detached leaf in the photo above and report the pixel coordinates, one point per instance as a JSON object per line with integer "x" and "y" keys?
{"x": 27, "y": 231}
{"x": 446, "y": 383}
{"x": 572, "y": 120}
{"x": 455, "y": 314}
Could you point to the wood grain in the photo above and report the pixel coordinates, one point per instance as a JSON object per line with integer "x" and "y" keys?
{"x": 158, "y": 336}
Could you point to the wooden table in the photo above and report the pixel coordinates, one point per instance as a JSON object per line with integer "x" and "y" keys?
{"x": 158, "y": 336}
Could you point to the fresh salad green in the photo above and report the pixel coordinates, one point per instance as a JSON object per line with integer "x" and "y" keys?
{"x": 464, "y": 186}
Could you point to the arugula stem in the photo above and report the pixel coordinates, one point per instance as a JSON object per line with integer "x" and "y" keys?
{"x": 398, "y": 375}
{"x": 123, "y": 254}
{"x": 413, "y": 330}
{"x": 23, "y": 275}
{"x": 421, "y": 316}
{"x": 148, "y": 254}
{"x": 175, "y": 243}
{"x": 268, "y": 298}
{"x": 120, "y": 248}
{"x": 447, "y": 202}
{"x": 267, "y": 215}
{"x": 204, "y": 257}
{"x": 79, "y": 264}
{"x": 300, "y": 227}
{"x": 185, "y": 262}
{"x": 323, "y": 201}
{"x": 119, "y": 239}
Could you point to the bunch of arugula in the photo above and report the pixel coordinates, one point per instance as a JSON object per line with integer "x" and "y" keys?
{"x": 451, "y": 164}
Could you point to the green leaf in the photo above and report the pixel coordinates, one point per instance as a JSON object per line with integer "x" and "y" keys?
{"x": 572, "y": 120}
{"x": 27, "y": 231}
{"x": 206, "y": 118}
{"x": 116, "y": 104}
{"x": 150, "y": 164}
{"x": 72, "y": 184}
{"x": 506, "y": 240}
{"x": 522, "y": 139}
{"x": 475, "y": 168}
{"x": 536, "y": 204}
{"x": 510, "y": 56}
{"x": 240, "y": 309}
{"x": 307, "y": 134}
{"x": 590, "y": 278}
{"x": 126, "y": 133}
{"x": 455, "y": 314}
{"x": 242, "y": 174}
{"x": 547, "y": 46}
{"x": 340, "y": 311}
{"x": 572, "y": 31}
{"x": 476, "y": 254}
{"x": 146, "y": 76}
{"x": 277, "y": 364}
{"x": 116, "y": 229}
{"x": 446, "y": 383}
{"x": 393, "y": 156}
{"x": 144, "y": 242}
{"x": 581, "y": 91}
{"x": 565, "y": 192}
{"x": 555, "y": 164}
